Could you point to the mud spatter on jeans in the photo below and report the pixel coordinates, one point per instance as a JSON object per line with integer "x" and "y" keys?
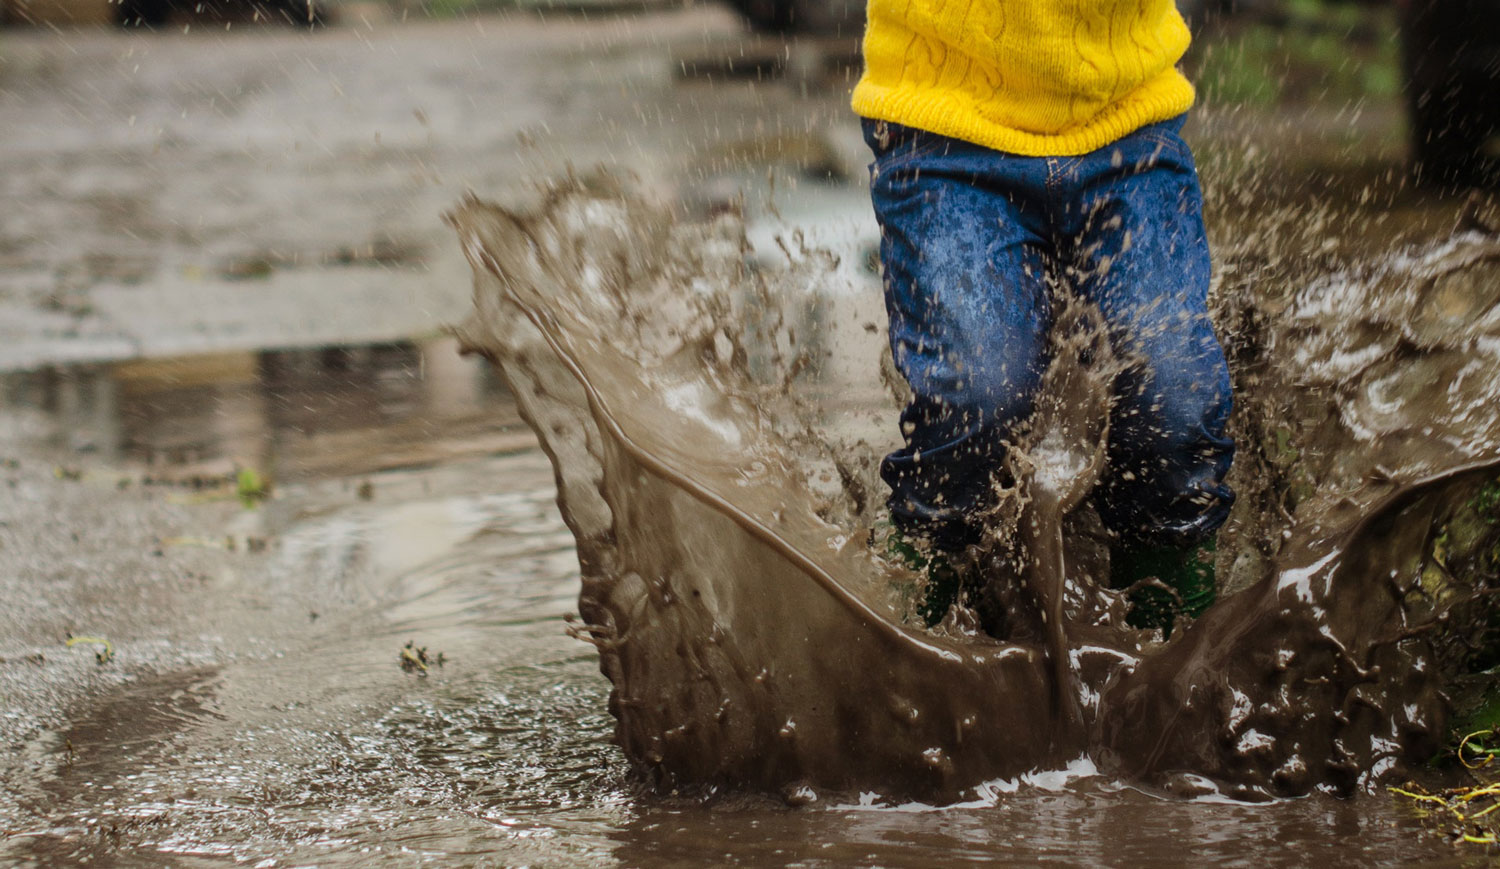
{"x": 754, "y": 639}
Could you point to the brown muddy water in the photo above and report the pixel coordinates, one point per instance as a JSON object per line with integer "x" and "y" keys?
{"x": 754, "y": 638}
{"x": 268, "y": 721}
{"x": 754, "y": 641}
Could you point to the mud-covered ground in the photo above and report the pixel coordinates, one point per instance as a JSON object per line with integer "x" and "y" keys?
{"x": 188, "y": 219}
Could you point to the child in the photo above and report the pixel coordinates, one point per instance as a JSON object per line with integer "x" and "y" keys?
{"x": 1022, "y": 141}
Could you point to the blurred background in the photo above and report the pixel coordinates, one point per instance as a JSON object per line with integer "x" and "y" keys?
{"x": 230, "y": 174}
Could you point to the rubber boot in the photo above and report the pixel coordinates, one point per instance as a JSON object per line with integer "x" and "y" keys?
{"x": 940, "y": 591}
{"x": 1189, "y": 571}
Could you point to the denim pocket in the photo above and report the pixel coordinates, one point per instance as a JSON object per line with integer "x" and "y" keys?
{"x": 1161, "y": 142}
{"x": 896, "y": 146}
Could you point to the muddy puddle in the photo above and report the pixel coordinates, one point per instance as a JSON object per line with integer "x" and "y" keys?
{"x": 754, "y": 641}
{"x": 269, "y": 720}
{"x": 275, "y": 694}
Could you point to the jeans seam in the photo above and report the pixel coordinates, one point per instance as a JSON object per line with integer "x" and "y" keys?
{"x": 1165, "y": 144}
{"x": 1055, "y": 191}
{"x": 896, "y": 150}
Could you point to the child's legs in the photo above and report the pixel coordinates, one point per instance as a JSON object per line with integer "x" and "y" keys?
{"x": 968, "y": 305}
{"x": 1144, "y": 260}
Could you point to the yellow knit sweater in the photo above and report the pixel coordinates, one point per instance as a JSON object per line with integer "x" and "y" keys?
{"x": 1033, "y": 77}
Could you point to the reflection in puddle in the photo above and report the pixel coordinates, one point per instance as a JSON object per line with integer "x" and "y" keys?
{"x": 296, "y": 413}
{"x": 143, "y": 720}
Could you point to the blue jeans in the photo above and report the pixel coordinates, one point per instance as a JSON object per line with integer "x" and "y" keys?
{"x": 970, "y": 239}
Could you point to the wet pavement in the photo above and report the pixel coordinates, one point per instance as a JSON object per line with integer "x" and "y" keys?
{"x": 223, "y": 251}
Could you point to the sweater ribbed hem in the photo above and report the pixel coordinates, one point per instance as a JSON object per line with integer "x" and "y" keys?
{"x": 954, "y": 113}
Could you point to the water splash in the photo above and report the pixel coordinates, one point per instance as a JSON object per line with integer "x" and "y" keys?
{"x": 754, "y": 640}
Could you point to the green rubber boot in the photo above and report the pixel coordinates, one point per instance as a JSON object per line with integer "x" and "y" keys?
{"x": 943, "y": 581}
{"x": 1189, "y": 571}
